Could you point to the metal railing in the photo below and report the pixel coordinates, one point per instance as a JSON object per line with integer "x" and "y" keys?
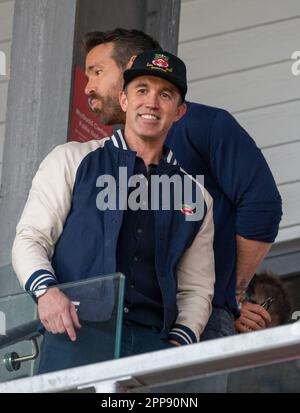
{"x": 137, "y": 373}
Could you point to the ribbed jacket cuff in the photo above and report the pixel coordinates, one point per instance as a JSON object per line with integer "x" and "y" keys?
{"x": 39, "y": 279}
{"x": 182, "y": 334}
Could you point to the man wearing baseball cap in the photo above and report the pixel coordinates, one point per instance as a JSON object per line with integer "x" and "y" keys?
{"x": 166, "y": 254}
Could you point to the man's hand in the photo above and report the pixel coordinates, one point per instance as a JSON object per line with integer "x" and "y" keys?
{"x": 253, "y": 317}
{"x": 58, "y": 313}
{"x": 174, "y": 343}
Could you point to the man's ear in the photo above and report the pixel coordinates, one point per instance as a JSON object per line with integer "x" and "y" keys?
{"x": 181, "y": 111}
{"x": 123, "y": 100}
{"x": 130, "y": 63}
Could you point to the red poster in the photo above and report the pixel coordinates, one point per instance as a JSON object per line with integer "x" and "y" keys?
{"x": 84, "y": 125}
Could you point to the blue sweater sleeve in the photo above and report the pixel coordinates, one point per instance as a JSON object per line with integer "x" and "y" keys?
{"x": 245, "y": 177}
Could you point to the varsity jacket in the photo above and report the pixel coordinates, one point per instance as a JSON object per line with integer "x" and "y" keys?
{"x": 63, "y": 236}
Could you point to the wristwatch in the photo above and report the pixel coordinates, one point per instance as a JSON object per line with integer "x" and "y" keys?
{"x": 40, "y": 291}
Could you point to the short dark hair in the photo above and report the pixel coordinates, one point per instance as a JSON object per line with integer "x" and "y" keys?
{"x": 268, "y": 284}
{"x": 127, "y": 43}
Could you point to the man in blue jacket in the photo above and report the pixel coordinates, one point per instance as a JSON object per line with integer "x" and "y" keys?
{"x": 208, "y": 141}
{"x": 69, "y": 233}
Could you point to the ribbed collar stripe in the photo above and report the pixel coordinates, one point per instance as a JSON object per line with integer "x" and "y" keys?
{"x": 169, "y": 157}
{"x": 124, "y": 146}
{"x": 115, "y": 142}
{"x": 120, "y": 142}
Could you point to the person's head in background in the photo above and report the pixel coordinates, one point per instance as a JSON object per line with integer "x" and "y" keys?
{"x": 108, "y": 55}
{"x": 267, "y": 287}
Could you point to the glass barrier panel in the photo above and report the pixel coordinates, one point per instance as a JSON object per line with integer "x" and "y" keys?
{"x": 281, "y": 377}
{"x": 27, "y": 348}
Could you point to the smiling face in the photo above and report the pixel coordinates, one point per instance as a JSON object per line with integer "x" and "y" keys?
{"x": 105, "y": 81}
{"x": 152, "y": 105}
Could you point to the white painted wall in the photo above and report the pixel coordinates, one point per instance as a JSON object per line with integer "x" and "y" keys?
{"x": 6, "y": 23}
{"x": 238, "y": 54}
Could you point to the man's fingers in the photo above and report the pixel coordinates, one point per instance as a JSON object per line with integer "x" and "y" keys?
{"x": 249, "y": 323}
{"x": 266, "y": 315}
{"x": 57, "y": 313}
{"x": 59, "y": 325}
{"x": 46, "y": 325}
{"x": 241, "y": 328}
{"x": 253, "y": 317}
{"x": 257, "y": 310}
{"x": 74, "y": 317}
{"x": 52, "y": 326}
{"x": 257, "y": 318}
{"x": 174, "y": 343}
{"x": 68, "y": 324}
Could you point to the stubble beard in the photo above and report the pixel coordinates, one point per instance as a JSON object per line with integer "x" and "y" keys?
{"x": 110, "y": 112}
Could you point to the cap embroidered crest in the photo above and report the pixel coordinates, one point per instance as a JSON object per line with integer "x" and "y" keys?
{"x": 161, "y": 64}
{"x": 161, "y": 60}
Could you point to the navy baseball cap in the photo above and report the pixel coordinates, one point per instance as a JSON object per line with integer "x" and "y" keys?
{"x": 161, "y": 64}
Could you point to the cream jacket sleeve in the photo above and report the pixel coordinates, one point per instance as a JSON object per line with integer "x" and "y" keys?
{"x": 45, "y": 213}
{"x": 195, "y": 282}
